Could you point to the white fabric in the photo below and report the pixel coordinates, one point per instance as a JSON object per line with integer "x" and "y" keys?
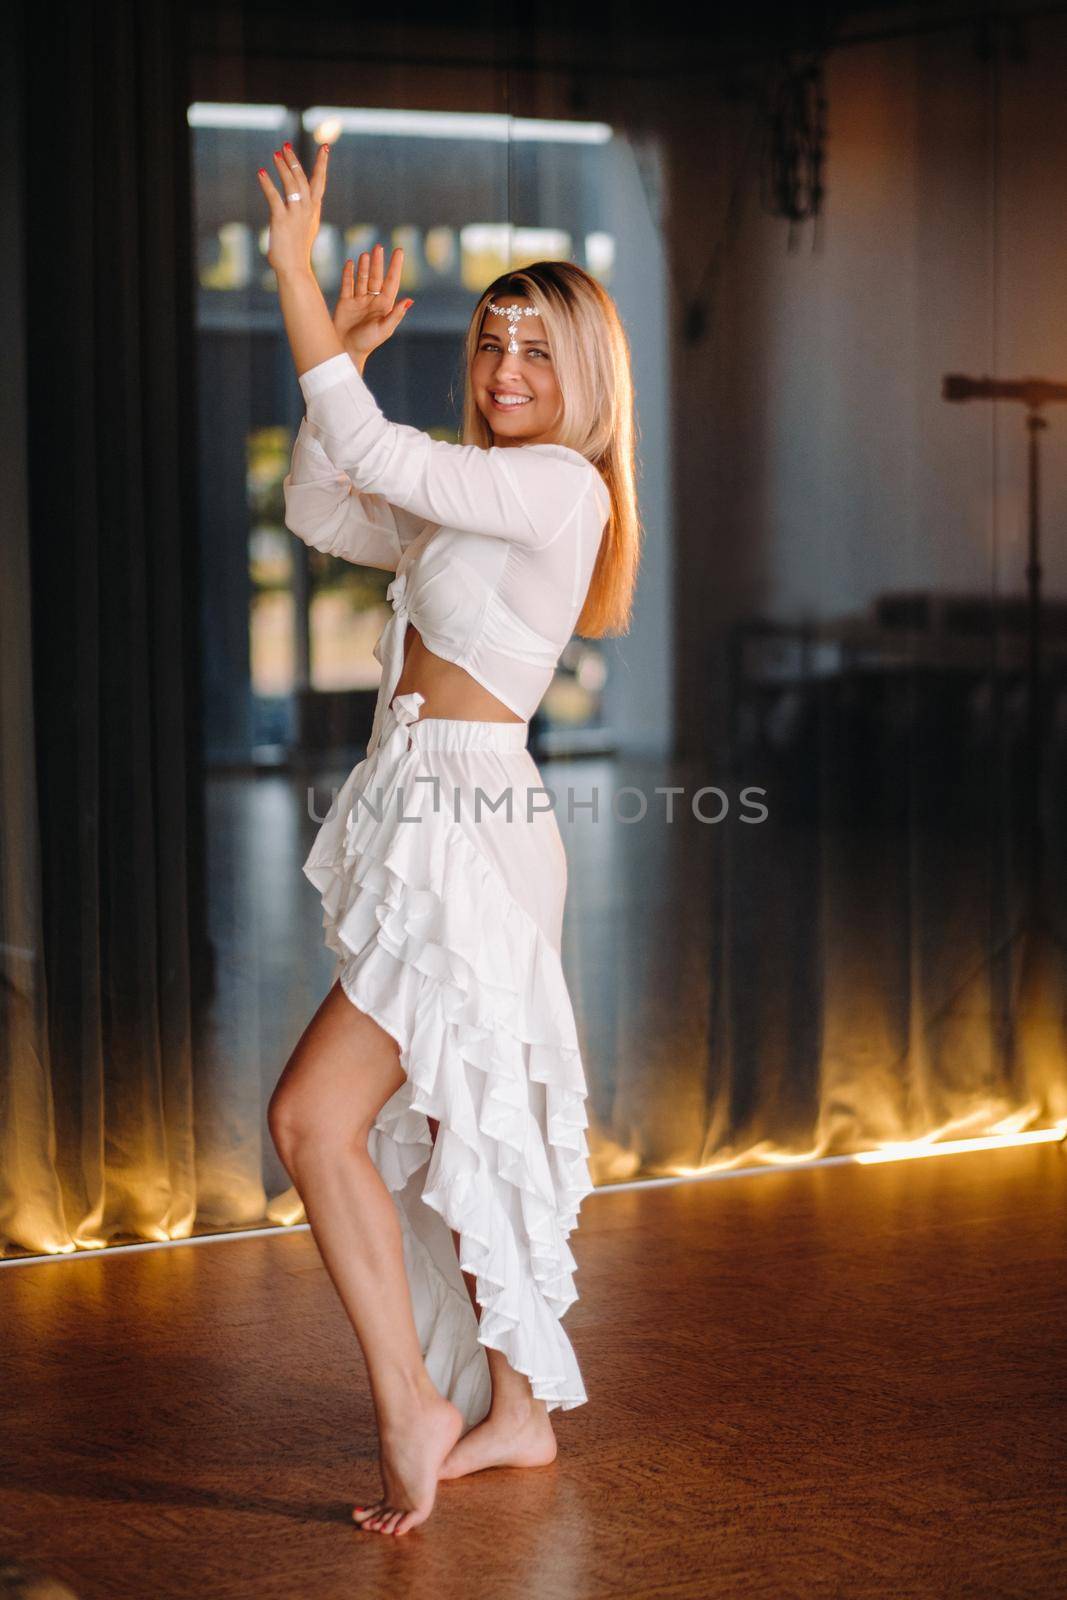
{"x": 447, "y": 925}
{"x": 494, "y": 549}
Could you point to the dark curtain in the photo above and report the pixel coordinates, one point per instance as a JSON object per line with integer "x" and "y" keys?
{"x": 103, "y": 907}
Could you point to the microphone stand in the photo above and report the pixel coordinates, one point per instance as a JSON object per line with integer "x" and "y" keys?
{"x": 1040, "y": 943}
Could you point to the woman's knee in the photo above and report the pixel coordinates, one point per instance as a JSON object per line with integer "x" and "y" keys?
{"x": 301, "y": 1120}
{"x": 343, "y": 1070}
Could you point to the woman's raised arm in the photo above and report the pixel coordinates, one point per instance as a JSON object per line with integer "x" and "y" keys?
{"x": 365, "y": 318}
{"x": 325, "y": 509}
{"x": 526, "y": 494}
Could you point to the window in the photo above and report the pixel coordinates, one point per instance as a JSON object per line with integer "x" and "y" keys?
{"x": 289, "y": 624}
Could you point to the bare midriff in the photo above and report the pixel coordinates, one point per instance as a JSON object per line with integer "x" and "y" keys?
{"x": 449, "y": 690}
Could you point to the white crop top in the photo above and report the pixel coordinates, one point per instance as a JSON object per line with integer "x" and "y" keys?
{"x": 493, "y": 549}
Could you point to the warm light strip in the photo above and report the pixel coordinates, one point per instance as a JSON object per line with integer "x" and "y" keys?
{"x": 890, "y": 1152}
{"x": 99, "y": 1251}
{"x": 951, "y": 1147}
{"x": 898, "y": 1152}
{"x": 490, "y": 125}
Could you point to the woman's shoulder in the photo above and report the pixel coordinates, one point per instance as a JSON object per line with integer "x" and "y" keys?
{"x": 562, "y": 452}
{"x": 575, "y": 465}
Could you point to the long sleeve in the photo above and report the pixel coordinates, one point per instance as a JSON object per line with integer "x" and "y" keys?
{"x": 325, "y": 509}
{"x": 525, "y": 494}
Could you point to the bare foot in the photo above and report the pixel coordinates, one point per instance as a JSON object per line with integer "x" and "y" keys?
{"x": 506, "y": 1438}
{"x": 411, "y": 1456}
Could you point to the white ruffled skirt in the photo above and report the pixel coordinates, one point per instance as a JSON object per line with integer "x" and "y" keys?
{"x": 446, "y": 919}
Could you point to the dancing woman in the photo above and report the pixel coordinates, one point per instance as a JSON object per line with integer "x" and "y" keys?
{"x": 431, "y": 1116}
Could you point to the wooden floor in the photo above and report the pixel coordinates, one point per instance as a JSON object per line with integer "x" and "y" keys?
{"x": 847, "y": 1381}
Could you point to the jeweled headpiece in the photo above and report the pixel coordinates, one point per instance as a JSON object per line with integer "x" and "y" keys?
{"x": 513, "y": 313}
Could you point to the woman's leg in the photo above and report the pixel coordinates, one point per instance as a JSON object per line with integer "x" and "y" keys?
{"x": 343, "y": 1070}
{"x": 516, "y": 1432}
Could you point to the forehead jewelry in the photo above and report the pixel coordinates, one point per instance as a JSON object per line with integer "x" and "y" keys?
{"x": 513, "y": 313}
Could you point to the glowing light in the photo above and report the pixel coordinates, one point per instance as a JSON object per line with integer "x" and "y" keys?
{"x": 456, "y": 125}
{"x": 216, "y": 114}
{"x": 950, "y": 1147}
{"x": 327, "y": 132}
{"x": 286, "y": 1214}
{"x": 600, "y": 253}
{"x": 771, "y": 1160}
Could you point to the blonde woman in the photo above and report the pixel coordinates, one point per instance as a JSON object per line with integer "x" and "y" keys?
{"x": 432, "y": 1114}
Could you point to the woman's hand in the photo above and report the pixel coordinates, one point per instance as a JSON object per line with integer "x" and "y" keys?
{"x": 367, "y": 312}
{"x": 294, "y": 222}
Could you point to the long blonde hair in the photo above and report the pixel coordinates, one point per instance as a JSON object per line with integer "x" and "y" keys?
{"x": 592, "y": 359}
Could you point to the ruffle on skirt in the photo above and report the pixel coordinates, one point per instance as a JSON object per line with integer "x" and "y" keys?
{"x": 433, "y": 945}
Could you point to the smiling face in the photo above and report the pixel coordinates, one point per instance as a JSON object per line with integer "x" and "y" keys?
{"x": 517, "y": 394}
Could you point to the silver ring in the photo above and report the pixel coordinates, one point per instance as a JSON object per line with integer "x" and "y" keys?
{"x": 374, "y": 291}
{"x": 294, "y": 197}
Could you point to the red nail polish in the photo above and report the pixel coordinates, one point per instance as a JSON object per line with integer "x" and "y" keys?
{"x": 287, "y": 145}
